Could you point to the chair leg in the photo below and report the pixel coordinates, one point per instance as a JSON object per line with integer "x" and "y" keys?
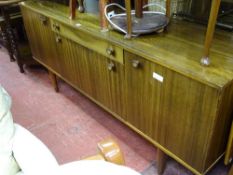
{"x": 161, "y": 161}
{"x": 10, "y": 39}
{"x": 53, "y": 79}
{"x": 21, "y": 69}
{"x": 15, "y": 50}
{"x": 6, "y": 33}
{"x": 6, "y": 42}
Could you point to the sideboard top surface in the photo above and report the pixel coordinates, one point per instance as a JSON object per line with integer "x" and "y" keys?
{"x": 180, "y": 48}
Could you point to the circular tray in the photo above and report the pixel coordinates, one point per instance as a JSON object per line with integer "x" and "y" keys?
{"x": 151, "y": 22}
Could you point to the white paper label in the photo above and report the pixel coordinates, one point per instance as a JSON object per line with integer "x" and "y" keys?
{"x": 157, "y": 77}
{"x": 110, "y": 14}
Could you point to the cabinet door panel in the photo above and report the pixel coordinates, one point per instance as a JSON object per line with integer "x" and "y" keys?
{"x": 188, "y": 117}
{"x": 67, "y": 58}
{"x": 175, "y": 111}
{"x": 142, "y": 95}
{"x": 40, "y": 37}
{"x": 229, "y": 151}
{"x": 88, "y": 71}
{"x": 107, "y": 79}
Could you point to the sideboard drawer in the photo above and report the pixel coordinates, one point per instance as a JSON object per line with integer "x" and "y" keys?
{"x": 101, "y": 46}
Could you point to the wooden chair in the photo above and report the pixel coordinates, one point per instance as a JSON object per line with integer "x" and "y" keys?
{"x": 6, "y": 31}
{"x": 14, "y": 38}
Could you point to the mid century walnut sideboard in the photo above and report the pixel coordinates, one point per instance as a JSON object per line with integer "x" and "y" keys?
{"x": 153, "y": 83}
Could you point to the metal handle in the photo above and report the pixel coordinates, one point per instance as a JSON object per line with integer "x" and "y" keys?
{"x": 136, "y": 63}
{"x": 110, "y": 51}
{"x": 109, "y": 18}
{"x": 58, "y": 39}
{"x": 56, "y": 27}
{"x": 111, "y": 66}
{"x": 43, "y": 19}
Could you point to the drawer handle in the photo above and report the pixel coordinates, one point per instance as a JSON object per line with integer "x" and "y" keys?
{"x": 56, "y": 27}
{"x": 111, "y": 66}
{"x": 110, "y": 51}
{"x": 58, "y": 39}
{"x": 43, "y": 19}
{"x": 136, "y": 63}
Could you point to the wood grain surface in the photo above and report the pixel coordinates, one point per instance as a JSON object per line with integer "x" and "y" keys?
{"x": 154, "y": 83}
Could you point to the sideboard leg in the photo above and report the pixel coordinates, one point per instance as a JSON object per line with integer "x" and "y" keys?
{"x": 161, "y": 161}
{"x": 53, "y": 79}
{"x": 231, "y": 171}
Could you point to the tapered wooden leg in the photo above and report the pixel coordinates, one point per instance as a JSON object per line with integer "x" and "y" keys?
{"x": 72, "y": 6}
{"x": 210, "y": 31}
{"x": 129, "y": 19}
{"x": 138, "y": 8}
{"x": 53, "y": 79}
{"x": 168, "y": 8}
{"x": 231, "y": 171}
{"x": 161, "y": 161}
{"x": 103, "y": 19}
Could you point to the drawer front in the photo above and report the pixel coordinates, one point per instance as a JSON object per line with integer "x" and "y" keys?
{"x": 103, "y": 47}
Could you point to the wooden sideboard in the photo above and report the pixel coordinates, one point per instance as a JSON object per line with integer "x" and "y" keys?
{"x": 154, "y": 83}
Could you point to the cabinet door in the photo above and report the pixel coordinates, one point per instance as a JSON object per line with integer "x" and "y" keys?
{"x": 175, "y": 111}
{"x": 229, "y": 151}
{"x": 142, "y": 93}
{"x": 94, "y": 74}
{"x": 70, "y": 57}
{"x": 41, "y": 38}
{"x": 107, "y": 78}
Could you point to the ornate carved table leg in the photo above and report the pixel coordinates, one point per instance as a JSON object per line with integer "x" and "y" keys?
{"x": 12, "y": 44}
{"x": 5, "y": 33}
{"x": 53, "y": 79}
{"x": 16, "y": 54}
{"x": 161, "y": 161}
